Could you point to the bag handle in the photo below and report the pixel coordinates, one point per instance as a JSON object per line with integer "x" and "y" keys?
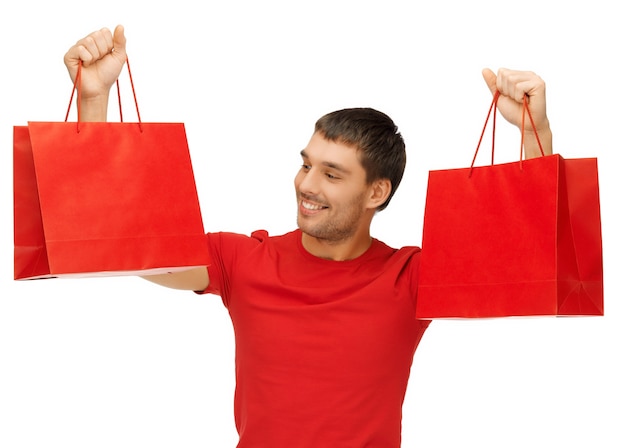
{"x": 77, "y": 88}
{"x": 493, "y": 109}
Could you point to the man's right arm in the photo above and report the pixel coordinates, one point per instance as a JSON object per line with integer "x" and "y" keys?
{"x": 196, "y": 279}
{"x": 103, "y": 55}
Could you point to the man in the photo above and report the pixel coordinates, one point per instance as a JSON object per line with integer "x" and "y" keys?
{"x": 324, "y": 315}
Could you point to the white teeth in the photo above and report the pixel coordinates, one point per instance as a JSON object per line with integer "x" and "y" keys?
{"x": 310, "y": 206}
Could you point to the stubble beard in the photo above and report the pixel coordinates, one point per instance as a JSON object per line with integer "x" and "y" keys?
{"x": 334, "y": 229}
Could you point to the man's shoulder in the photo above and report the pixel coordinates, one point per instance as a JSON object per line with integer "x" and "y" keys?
{"x": 263, "y": 236}
{"x": 381, "y": 246}
{"x": 254, "y": 239}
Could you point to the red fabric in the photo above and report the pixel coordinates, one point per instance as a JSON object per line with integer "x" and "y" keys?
{"x": 323, "y": 348}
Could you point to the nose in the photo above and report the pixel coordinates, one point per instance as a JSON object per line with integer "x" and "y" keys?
{"x": 306, "y": 181}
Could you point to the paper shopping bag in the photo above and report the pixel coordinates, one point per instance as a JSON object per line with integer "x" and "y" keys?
{"x": 94, "y": 199}
{"x": 513, "y": 239}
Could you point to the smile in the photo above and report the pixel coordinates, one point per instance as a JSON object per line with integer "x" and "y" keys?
{"x": 311, "y": 206}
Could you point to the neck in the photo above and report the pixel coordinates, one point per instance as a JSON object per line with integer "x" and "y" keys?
{"x": 342, "y": 250}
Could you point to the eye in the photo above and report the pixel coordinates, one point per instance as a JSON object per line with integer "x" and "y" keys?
{"x": 306, "y": 167}
{"x": 331, "y": 176}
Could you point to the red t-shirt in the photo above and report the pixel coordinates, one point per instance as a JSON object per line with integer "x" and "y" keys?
{"x": 323, "y": 348}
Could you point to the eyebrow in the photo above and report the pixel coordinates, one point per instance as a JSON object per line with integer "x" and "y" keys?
{"x": 332, "y": 165}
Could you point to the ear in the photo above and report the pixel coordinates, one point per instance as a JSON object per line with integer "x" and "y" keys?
{"x": 379, "y": 192}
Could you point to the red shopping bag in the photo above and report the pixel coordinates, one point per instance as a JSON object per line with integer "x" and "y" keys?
{"x": 512, "y": 239}
{"x": 103, "y": 199}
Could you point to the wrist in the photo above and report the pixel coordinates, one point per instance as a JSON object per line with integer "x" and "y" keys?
{"x": 530, "y": 142}
{"x": 94, "y": 108}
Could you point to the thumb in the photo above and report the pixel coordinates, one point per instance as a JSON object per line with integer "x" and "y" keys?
{"x": 119, "y": 42}
{"x": 490, "y": 78}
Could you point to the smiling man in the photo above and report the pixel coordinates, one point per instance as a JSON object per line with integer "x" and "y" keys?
{"x": 337, "y": 197}
{"x": 323, "y": 316}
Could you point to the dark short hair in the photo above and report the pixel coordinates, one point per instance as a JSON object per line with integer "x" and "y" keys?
{"x": 376, "y": 137}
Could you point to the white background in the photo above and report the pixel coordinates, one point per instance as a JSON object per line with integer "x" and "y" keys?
{"x": 121, "y": 362}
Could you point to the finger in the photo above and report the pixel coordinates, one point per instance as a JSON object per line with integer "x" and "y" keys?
{"x": 516, "y": 84}
{"x": 74, "y": 56}
{"x": 94, "y": 46}
{"x": 503, "y": 81}
{"x": 119, "y": 43}
{"x": 100, "y": 43}
{"x": 490, "y": 79}
{"x": 119, "y": 39}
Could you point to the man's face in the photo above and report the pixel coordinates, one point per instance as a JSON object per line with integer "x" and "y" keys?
{"x": 331, "y": 190}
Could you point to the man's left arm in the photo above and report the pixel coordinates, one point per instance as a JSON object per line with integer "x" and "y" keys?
{"x": 513, "y": 85}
